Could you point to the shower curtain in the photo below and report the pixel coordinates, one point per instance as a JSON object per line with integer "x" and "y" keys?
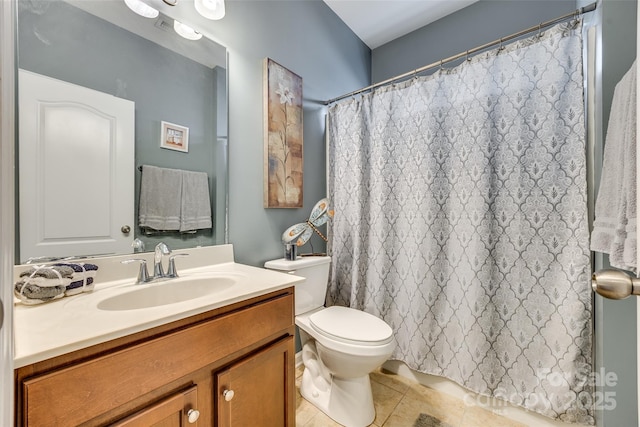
{"x": 461, "y": 220}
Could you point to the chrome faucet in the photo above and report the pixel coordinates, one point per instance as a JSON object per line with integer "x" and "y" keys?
{"x": 161, "y": 249}
{"x": 158, "y": 271}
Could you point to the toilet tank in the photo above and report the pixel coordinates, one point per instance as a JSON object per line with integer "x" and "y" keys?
{"x": 311, "y": 293}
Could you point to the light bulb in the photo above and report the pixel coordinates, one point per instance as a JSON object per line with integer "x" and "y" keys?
{"x": 141, "y": 8}
{"x": 211, "y": 9}
{"x": 186, "y": 31}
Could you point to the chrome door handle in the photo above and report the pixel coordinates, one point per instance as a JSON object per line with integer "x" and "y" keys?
{"x": 614, "y": 284}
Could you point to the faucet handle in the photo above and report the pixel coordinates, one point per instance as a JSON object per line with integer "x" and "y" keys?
{"x": 172, "y": 265}
{"x": 143, "y": 274}
{"x": 161, "y": 249}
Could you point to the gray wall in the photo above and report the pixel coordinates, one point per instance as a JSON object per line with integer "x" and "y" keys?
{"x": 475, "y": 25}
{"x": 306, "y": 37}
{"x": 71, "y": 45}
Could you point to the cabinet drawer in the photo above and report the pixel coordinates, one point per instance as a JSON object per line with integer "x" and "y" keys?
{"x": 172, "y": 411}
{"x": 79, "y": 393}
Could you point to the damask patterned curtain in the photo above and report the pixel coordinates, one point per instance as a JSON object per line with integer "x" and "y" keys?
{"x": 461, "y": 220}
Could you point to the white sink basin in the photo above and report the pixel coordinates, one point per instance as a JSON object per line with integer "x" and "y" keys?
{"x": 171, "y": 291}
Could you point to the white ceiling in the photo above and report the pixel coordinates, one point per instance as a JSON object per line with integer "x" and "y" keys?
{"x": 377, "y": 22}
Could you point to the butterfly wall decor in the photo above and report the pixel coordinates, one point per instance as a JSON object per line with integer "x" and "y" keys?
{"x": 300, "y": 233}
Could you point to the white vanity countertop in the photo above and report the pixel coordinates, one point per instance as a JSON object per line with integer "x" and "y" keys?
{"x": 72, "y": 323}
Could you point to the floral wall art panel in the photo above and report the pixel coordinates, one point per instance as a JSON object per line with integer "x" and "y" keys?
{"x": 283, "y": 137}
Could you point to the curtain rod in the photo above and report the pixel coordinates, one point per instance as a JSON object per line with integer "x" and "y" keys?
{"x": 589, "y": 8}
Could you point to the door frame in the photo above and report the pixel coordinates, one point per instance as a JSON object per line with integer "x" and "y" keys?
{"x": 7, "y": 207}
{"x": 638, "y": 203}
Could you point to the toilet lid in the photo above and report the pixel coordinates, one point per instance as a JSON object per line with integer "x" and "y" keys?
{"x": 352, "y": 326}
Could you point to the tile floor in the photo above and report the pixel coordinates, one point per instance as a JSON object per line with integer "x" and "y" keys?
{"x": 400, "y": 402}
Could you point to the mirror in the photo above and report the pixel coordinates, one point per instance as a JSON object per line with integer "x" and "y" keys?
{"x": 104, "y": 46}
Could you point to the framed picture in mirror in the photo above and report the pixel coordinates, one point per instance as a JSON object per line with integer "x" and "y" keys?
{"x": 174, "y": 137}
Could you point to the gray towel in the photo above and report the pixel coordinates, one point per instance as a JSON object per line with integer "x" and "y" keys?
{"x": 27, "y": 291}
{"x": 160, "y": 198}
{"x": 48, "y": 272}
{"x": 196, "y": 204}
{"x": 614, "y": 227}
{"x": 45, "y": 276}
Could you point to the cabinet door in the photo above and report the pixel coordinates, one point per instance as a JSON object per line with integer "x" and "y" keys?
{"x": 178, "y": 410}
{"x": 259, "y": 390}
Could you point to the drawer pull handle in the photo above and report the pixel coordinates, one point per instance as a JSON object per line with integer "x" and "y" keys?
{"x": 193, "y": 415}
{"x": 228, "y": 395}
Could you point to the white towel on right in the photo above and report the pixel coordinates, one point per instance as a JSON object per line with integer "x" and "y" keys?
{"x": 614, "y": 227}
{"x": 195, "y": 203}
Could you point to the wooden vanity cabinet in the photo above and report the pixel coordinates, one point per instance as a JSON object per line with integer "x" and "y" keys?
{"x": 232, "y": 366}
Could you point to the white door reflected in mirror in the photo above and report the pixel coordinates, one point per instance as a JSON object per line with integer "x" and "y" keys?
{"x": 76, "y": 169}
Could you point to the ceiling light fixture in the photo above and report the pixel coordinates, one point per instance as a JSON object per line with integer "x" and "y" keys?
{"x": 186, "y": 31}
{"x": 210, "y": 9}
{"x": 141, "y": 8}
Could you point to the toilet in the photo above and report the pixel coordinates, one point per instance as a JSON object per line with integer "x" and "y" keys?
{"x": 340, "y": 345}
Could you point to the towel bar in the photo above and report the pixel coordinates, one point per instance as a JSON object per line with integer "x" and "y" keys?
{"x": 614, "y": 284}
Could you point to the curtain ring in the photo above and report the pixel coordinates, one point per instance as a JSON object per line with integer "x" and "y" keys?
{"x": 468, "y": 59}
{"x": 501, "y": 47}
{"x": 540, "y": 30}
{"x": 441, "y": 62}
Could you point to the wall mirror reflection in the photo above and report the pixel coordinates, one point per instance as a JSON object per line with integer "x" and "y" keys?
{"x": 77, "y": 153}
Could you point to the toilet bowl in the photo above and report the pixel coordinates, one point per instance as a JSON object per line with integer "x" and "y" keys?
{"x": 340, "y": 346}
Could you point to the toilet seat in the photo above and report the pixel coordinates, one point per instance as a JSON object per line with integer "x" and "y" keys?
{"x": 351, "y": 326}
